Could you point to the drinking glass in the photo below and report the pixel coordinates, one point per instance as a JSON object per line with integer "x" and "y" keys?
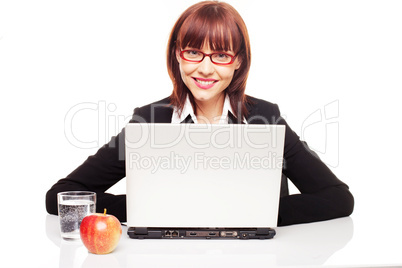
{"x": 73, "y": 207}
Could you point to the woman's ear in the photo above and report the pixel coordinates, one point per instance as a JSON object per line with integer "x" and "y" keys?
{"x": 238, "y": 63}
{"x": 178, "y": 55}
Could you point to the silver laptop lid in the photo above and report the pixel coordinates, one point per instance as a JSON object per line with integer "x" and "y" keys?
{"x": 200, "y": 175}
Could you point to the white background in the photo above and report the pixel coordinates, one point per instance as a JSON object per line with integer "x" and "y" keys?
{"x": 59, "y": 57}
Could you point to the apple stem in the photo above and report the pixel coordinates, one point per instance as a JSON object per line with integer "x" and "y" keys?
{"x": 104, "y": 211}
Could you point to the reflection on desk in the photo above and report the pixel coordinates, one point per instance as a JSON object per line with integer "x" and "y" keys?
{"x": 304, "y": 244}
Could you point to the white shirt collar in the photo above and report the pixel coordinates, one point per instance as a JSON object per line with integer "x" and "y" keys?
{"x": 188, "y": 110}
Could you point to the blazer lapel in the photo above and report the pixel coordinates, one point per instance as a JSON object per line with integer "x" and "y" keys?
{"x": 187, "y": 120}
{"x": 164, "y": 115}
{"x": 233, "y": 119}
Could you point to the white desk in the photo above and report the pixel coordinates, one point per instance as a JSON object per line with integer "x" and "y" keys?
{"x": 335, "y": 243}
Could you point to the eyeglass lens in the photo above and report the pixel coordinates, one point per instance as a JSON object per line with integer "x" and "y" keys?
{"x": 194, "y": 55}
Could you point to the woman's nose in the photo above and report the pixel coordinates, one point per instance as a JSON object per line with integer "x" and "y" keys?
{"x": 206, "y": 67}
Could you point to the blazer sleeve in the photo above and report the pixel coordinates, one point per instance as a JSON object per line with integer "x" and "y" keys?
{"x": 107, "y": 166}
{"x": 322, "y": 195}
{"x": 97, "y": 174}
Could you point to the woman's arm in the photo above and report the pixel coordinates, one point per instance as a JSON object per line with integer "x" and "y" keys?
{"x": 97, "y": 174}
{"x": 322, "y": 195}
{"x": 102, "y": 170}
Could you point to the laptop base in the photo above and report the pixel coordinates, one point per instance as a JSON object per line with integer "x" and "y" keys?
{"x": 200, "y": 233}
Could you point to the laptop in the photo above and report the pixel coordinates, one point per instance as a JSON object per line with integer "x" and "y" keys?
{"x": 203, "y": 181}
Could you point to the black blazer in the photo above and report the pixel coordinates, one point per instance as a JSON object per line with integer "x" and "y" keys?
{"x": 323, "y": 196}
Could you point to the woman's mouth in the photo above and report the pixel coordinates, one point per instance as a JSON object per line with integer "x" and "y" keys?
{"x": 204, "y": 83}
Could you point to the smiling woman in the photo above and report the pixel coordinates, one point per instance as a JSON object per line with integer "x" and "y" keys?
{"x": 205, "y": 28}
{"x": 207, "y": 81}
{"x": 208, "y": 59}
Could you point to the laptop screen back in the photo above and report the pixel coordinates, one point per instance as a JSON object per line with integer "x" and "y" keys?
{"x": 198, "y": 175}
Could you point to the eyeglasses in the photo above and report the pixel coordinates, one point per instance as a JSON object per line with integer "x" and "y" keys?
{"x": 219, "y": 58}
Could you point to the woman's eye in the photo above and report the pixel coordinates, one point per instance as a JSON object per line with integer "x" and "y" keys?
{"x": 193, "y": 53}
{"x": 222, "y": 56}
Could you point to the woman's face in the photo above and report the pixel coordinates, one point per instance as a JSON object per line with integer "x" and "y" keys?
{"x": 207, "y": 80}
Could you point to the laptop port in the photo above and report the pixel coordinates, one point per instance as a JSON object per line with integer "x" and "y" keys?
{"x": 202, "y": 233}
{"x": 171, "y": 233}
{"x": 228, "y": 233}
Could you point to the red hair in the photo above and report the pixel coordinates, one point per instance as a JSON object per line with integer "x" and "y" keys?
{"x": 220, "y": 26}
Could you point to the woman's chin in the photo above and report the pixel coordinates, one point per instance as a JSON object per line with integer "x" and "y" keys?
{"x": 205, "y": 97}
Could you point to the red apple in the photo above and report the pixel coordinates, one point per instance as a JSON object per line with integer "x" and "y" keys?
{"x": 100, "y": 233}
